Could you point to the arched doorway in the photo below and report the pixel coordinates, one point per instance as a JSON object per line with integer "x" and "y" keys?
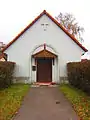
{"x": 44, "y": 61}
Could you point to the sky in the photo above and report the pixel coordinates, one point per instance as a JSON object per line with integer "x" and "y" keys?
{"x": 15, "y": 15}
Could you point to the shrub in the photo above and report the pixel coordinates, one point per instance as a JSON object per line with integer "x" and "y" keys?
{"x": 6, "y": 73}
{"x": 79, "y": 75}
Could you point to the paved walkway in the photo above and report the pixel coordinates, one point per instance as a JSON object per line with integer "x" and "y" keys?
{"x": 45, "y": 103}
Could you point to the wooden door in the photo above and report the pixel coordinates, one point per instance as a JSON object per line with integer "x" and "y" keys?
{"x": 44, "y": 70}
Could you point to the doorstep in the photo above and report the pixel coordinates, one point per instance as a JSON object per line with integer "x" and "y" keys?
{"x": 44, "y": 84}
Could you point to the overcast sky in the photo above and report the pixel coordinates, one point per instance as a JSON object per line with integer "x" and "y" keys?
{"x": 16, "y": 14}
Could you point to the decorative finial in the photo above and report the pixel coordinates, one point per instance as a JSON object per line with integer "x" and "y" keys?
{"x": 44, "y": 46}
{"x": 44, "y": 11}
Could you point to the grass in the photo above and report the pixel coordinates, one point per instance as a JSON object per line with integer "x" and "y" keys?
{"x": 80, "y": 101}
{"x": 10, "y": 100}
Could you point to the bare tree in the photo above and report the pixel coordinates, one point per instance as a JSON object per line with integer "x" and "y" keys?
{"x": 68, "y": 21}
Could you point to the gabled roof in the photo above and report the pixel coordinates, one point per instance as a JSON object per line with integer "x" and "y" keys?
{"x": 44, "y": 53}
{"x": 55, "y": 21}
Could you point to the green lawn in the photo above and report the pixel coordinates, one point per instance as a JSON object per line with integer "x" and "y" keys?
{"x": 80, "y": 101}
{"x": 10, "y": 100}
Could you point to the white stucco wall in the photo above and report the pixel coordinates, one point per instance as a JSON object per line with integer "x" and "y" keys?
{"x": 20, "y": 51}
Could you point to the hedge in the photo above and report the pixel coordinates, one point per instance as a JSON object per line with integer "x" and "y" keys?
{"x": 6, "y": 73}
{"x": 79, "y": 75}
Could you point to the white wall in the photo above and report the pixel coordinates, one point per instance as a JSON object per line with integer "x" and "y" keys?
{"x": 20, "y": 51}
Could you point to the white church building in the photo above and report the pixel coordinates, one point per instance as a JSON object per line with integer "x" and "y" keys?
{"x": 42, "y": 50}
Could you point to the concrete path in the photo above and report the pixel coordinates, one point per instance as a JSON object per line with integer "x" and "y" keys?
{"x": 45, "y": 103}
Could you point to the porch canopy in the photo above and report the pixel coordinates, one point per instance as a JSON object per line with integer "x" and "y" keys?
{"x": 44, "y": 54}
